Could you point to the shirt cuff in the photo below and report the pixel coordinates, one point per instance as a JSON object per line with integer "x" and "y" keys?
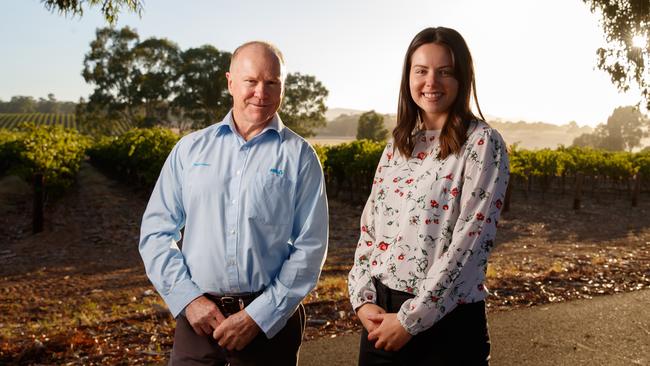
{"x": 181, "y": 295}
{"x": 412, "y": 326}
{"x": 268, "y": 318}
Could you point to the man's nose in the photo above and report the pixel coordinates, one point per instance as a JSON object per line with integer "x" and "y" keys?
{"x": 260, "y": 90}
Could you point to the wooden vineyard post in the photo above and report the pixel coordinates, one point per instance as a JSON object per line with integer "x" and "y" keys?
{"x": 37, "y": 222}
{"x": 637, "y": 189}
{"x": 578, "y": 191}
{"x": 506, "y": 203}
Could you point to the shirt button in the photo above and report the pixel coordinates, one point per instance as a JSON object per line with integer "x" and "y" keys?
{"x": 233, "y": 201}
{"x": 238, "y": 172}
{"x": 232, "y": 232}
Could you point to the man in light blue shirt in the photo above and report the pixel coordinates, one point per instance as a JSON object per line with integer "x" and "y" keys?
{"x": 250, "y": 195}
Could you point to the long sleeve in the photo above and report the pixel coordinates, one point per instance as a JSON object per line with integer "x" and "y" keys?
{"x": 360, "y": 286}
{"x": 301, "y": 270}
{"x": 451, "y": 278}
{"x": 160, "y": 230}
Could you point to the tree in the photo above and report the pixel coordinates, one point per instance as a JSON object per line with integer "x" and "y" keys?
{"x": 625, "y": 61}
{"x": 155, "y": 66}
{"x": 623, "y": 131}
{"x": 371, "y": 127}
{"x": 202, "y": 89}
{"x": 109, "y": 66}
{"x": 110, "y": 8}
{"x": 133, "y": 80}
{"x": 303, "y": 106}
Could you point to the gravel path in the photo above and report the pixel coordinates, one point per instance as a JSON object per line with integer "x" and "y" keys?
{"x": 606, "y": 330}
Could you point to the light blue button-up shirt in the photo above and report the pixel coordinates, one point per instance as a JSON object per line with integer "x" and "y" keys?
{"x": 255, "y": 217}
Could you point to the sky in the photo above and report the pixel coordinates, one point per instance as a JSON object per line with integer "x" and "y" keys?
{"x": 534, "y": 60}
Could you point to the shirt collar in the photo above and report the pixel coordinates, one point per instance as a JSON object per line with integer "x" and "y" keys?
{"x": 228, "y": 125}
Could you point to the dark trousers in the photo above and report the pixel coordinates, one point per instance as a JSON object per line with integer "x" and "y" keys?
{"x": 192, "y": 349}
{"x": 459, "y": 338}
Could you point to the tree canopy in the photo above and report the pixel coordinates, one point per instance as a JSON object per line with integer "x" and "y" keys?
{"x": 371, "y": 127}
{"x": 626, "y": 24}
{"x": 623, "y": 131}
{"x": 154, "y": 82}
{"x": 110, "y": 8}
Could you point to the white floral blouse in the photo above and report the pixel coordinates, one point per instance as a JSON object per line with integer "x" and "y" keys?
{"x": 429, "y": 225}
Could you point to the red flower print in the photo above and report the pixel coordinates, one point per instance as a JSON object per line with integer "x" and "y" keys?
{"x": 427, "y": 221}
{"x": 444, "y": 190}
{"x": 389, "y": 156}
{"x": 381, "y": 180}
{"x": 454, "y": 192}
{"x": 498, "y": 203}
{"x": 481, "y": 142}
{"x": 369, "y": 243}
{"x": 379, "y": 170}
{"x": 432, "y": 138}
{"x": 435, "y": 221}
{"x": 434, "y": 203}
{"x": 480, "y": 217}
{"x": 445, "y": 207}
{"x": 409, "y": 181}
{"x": 396, "y": 190}
{"x": 401, "y": 257}
{"x": 363, "y": 258}
{"x": 364, "y": 229}
{"x": 434, "y": 298}
{"x": 396, "y": 179}
{"x": 374, "y": 263}
{"x": 383, "y": 245}
{"x": 449, "y": 176}
{"x": 401, "y": 194}
{"x": 409, "y": 290}
{"x": 422, "y": 155}
{"x": 369, "y": 297}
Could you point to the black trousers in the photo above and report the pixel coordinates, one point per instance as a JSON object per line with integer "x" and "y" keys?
{"x": 459, "y": 338}
{"x": 193, "y": 349}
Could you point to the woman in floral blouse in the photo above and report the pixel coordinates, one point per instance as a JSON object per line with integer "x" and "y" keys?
{"x": 428, "y": 227}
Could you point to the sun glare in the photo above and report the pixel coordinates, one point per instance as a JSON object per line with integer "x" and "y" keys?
{"x": 639, "y": 41}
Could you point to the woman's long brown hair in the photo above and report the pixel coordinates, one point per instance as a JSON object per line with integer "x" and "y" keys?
{"x": 454, "y": 131}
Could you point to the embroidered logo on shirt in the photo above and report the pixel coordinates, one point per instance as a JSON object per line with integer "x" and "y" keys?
{"x": 277, "y": 172}
{"x": 201, "y": 164}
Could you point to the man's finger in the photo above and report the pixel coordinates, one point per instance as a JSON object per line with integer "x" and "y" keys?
{"x": 379, "y": 317}
{"x": 198, "y": 330}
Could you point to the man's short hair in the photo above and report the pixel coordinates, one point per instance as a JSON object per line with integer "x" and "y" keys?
{"x": 268, "y": 46}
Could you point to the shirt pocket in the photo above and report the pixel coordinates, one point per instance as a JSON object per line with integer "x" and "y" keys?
{"x": 272, "y": 199}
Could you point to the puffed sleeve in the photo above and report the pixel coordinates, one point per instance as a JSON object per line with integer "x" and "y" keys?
{"x": 452, "y": 278}
{"x": 360, "y": 284}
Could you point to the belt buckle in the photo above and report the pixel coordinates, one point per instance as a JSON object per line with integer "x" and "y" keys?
{"x": 231, "y": 304}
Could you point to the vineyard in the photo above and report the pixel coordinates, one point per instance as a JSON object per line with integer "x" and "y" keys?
{"x": 12, "y": 121}
{"x": 138, "y": 155}
{"x": 577, "y": 173}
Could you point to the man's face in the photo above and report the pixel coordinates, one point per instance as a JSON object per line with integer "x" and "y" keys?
{"x": 256, "y": 85}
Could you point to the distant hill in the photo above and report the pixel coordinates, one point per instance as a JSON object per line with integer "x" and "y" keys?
{"x": 536, "y": 135}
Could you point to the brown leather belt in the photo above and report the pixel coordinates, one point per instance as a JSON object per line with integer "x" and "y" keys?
{"x": 230, "y": 304}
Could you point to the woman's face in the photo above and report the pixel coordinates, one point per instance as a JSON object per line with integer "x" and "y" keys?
{"x": 432, "y": 83}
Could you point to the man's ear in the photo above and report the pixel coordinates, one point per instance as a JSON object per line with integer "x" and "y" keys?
{"x": 229, "y": 78}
